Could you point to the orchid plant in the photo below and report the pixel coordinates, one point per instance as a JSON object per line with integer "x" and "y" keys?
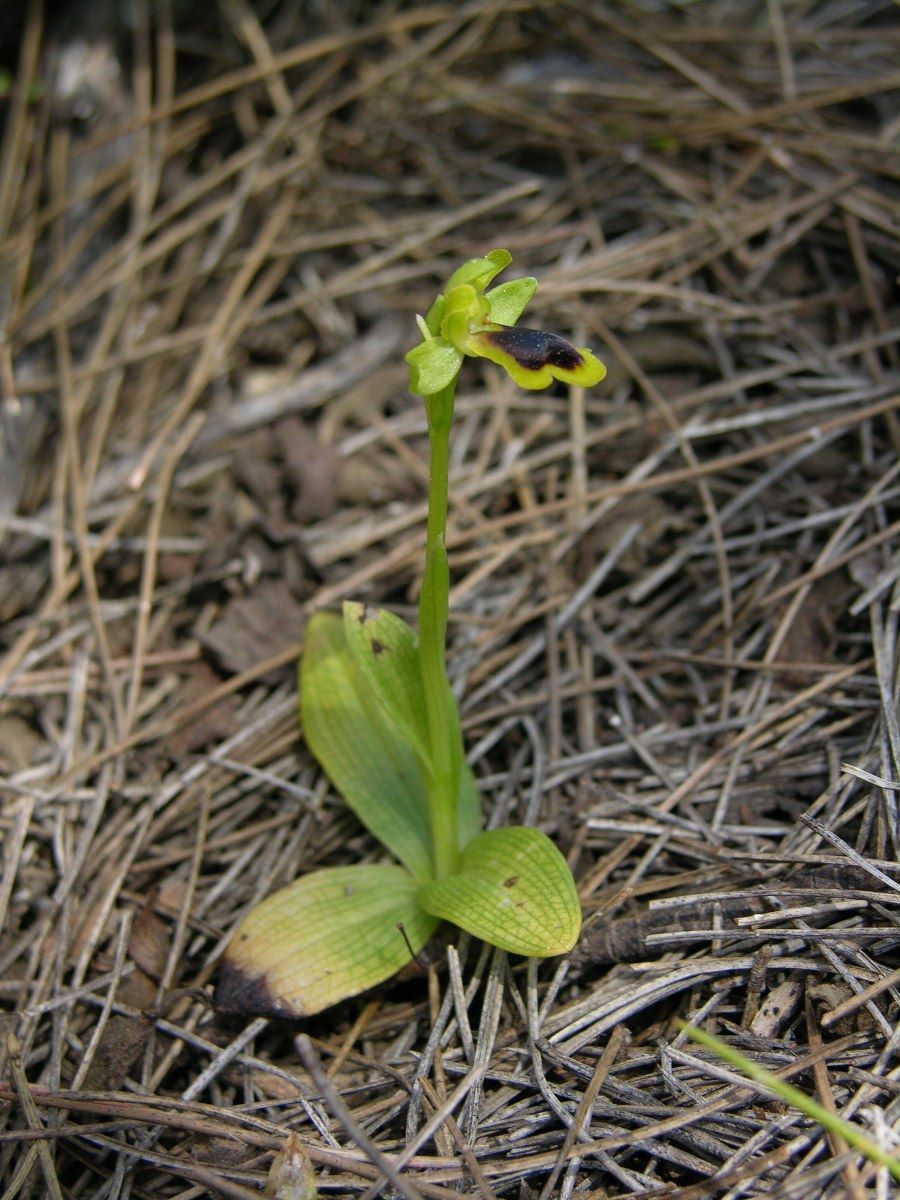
{"x": 379, "y": 716}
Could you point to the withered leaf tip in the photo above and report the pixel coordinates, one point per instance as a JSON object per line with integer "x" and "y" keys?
{"x": 240, "y": 994}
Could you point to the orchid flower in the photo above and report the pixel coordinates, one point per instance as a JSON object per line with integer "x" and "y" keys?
{"x": 467, "y": 320}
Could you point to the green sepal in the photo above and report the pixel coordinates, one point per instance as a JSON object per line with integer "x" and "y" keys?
{"x": 508, "y": 300}
{"x": 479, "y": 271}
{"x": 433, "y": 365}
{"x": 329, "y": 935}
{"x": 386, "y": 650}
{"x": 514, "y": 890}
{"x": 366, "y": 758}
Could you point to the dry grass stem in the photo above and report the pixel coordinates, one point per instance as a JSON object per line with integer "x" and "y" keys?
{"x": 676, "y": 601}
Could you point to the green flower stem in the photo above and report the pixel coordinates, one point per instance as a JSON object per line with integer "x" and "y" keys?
{"x": 439, "y": 411}
{"x": 443, "y": 786}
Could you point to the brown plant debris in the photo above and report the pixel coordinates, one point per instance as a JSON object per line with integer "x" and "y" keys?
{"x": 675, "y": 598}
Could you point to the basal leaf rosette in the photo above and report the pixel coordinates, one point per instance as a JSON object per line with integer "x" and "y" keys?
{"x": 465, "y": 320}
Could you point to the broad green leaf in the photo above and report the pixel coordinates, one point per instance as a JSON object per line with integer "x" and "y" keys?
{"x": 386, "y": 651}
{"x": 469, "y": 803}
{"x": 515, "y": 890}
{"x": 327, "y": 936}
{"x": 363, "y": 755}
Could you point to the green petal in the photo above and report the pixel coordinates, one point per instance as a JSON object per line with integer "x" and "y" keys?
{"x": 464, "y": 309}
{"x": 363, "y": 753}
{"x": 514, "y": 890}
{"x": 433, "y": 365}
{"x": 480, "y": 271}
{"x": 508, "y": 300}
{"x": 434, "y": 315}
{"x": 327, "y": 936}
{"x": 474, "y": 275}
{"x": 535, "y": 358}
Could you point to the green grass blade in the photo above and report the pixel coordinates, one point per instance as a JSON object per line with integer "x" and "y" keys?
{"x": 514, "y": 890}
{"x": 829, "y": 1121}
{"x": 364, "y": 755}
{"x": 329, "y": 935}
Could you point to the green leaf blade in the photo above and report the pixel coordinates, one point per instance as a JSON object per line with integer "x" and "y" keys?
{"x": 362, "y": 753}
{"x": 327, "y": 936}
{"x": 386, "y": 651}
{"x": 468, "y": 801}
{"x": 514, "y": 890}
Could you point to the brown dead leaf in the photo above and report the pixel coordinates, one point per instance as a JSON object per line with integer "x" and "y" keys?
{"x": 659, "y": 522}
{"x": 20, "y": 744}
{"x": 170, "y": 897}
{"x": 255, "y": 627}
{"x": 276, "y": 1087}
{"x": 20, "y": 587}
{"x": 661, "y": 349}
{"x": 777, "y": 1009}
{"x": 827, "y": 995}
{"x": 121, "y": 1045}
{"x": 355, "y": 405}
{"x": 291, "y": 1176}
{"x": 375, "y": 477}
{"x": 222, "y": 1151}
{"x": 149, "y": 942}
{"x": 811, "y": 636}
{"x": 254, "y": 465}
{"x": 21, "y": 427}
{"x": 138, "y": 990}
{"x": 210, "y": 725}
{"x": 312, "y": 470}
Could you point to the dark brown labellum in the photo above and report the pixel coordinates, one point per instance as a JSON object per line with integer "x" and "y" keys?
{"x": 533, "y": 348}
